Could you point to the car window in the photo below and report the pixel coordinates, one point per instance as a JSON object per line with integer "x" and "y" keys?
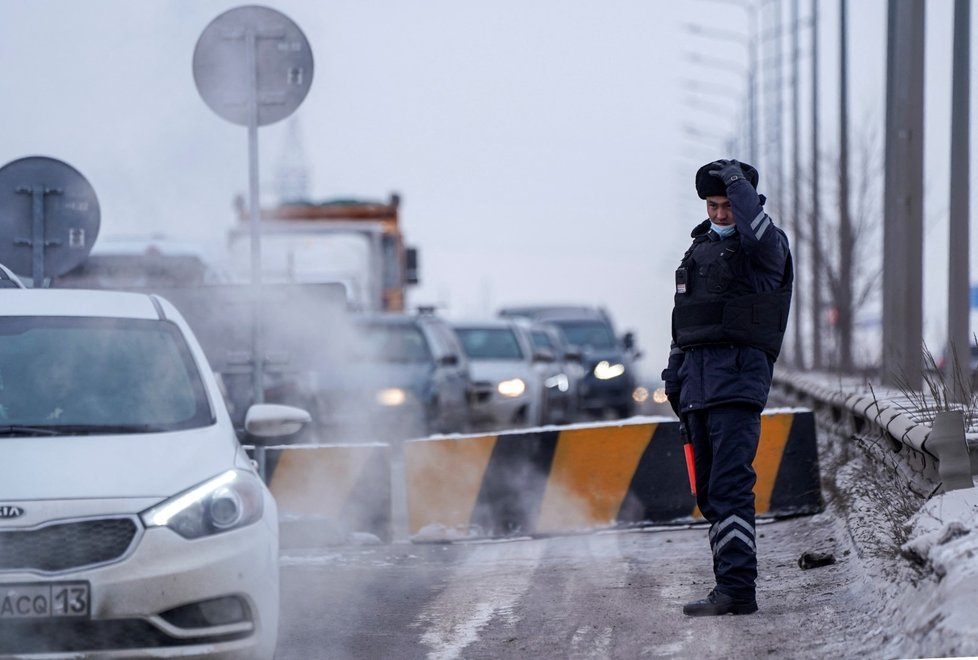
{"x": 490, "y": 343}
{"x": 592, "y": 334}
{"x": 542, "y": 340}
{"x": 393, "y": 343}
{"x": 99, "y": 372}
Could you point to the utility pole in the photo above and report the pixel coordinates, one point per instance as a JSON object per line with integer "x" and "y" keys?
{"x": 843, "y": 296}
{"x": 903, "y": 196}
{"x": 959, "y": 286}
{"x": 798, "y": 306}
{"x": 817, "y": 270}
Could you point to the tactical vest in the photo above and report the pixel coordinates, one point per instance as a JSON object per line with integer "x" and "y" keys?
{"x": 720, "y": 304}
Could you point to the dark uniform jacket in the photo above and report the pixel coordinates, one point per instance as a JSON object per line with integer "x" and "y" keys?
{"x": 729, "y": 321}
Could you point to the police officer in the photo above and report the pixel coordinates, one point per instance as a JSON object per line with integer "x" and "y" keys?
{"x": 733, "y": 291}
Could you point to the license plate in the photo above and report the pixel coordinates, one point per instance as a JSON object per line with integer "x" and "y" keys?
{"x": 45, "y": 600}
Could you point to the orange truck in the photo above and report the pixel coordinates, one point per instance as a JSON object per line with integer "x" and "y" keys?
{"x": 354, "y": 243}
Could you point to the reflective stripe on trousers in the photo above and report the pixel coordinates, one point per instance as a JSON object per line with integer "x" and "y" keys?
{"x": 724, "y": 444}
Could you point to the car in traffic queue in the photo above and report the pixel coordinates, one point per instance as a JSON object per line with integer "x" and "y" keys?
{"x": 562, "y": 376}
{"x": 609, "y": 380}
{"x": 508, "y": 390}
{"x": 132, "y": 522}
{"x": 392, "y": 376}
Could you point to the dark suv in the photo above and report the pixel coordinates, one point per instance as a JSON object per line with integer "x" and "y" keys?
{"x": 609, "y": 381}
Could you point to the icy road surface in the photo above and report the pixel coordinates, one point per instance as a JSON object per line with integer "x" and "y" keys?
{"x": 903, "y": 585}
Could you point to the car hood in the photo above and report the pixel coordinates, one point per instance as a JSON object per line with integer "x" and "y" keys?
{"x": 495, "y": 370}
{"x": 113, "y": 466}
{"x": 591, "y": 357}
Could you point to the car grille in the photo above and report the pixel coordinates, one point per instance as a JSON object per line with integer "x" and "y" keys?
{"x": 80, "y": 636}
{"x": 63, "y": 546}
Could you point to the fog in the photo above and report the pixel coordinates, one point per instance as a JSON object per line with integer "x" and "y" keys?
{"x": 544, "y": 152}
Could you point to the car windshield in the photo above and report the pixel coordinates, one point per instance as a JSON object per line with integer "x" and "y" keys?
{"x": 392, "y": 343}
{"x": 490, "y": 343}
{"x": 91, "y": 374}
{"x": 588, "y": 334}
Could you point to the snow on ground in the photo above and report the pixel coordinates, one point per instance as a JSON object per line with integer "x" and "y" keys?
{"x": 919, "y": 554}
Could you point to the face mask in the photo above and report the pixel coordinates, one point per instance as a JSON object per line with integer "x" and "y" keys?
{"x": 723, "y": 230}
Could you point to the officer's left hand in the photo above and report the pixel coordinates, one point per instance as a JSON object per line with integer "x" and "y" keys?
{"x": 728, "y": 171}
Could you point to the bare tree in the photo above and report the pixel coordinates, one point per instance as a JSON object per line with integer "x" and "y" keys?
{"x": 846, "y": 297}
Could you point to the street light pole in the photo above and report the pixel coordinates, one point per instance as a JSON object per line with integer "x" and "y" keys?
{"x": 959, "y": 288}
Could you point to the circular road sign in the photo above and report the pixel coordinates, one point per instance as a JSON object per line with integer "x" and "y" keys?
{"x": 248, "y": 46}
{"x": 38, "y": 189}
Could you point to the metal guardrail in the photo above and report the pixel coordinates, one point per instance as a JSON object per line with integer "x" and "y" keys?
{"x": 932, "y": 445}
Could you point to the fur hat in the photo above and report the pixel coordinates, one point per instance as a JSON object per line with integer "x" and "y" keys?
{"x": 708, "y": 185}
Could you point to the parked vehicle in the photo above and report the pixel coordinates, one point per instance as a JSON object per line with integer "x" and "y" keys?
{"x": 508, "y": 390}
{"x": 609, "y": 381}
{"x": 132, "y": 522}
{"x": 396, "y": 376}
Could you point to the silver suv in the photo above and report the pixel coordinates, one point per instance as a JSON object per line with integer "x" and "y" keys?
{"x": 609, "y": 379}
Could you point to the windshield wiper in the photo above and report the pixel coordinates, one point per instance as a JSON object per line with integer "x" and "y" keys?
{"x": 27, "y": 430}
{"x": 78, "y": 429}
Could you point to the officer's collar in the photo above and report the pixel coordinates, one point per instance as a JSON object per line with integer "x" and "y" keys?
{"x": 700, "y": 230}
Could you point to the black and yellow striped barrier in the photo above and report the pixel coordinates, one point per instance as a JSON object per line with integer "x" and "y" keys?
{"x": 326, "y": 493}
{"x": 590, "y": 477}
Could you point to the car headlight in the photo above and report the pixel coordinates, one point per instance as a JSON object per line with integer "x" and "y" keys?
{"x": 230, "y": 500}
{"x": 604, "y": 370}
{"x": 512, "y": 388}
{"x": 391, "y": 396}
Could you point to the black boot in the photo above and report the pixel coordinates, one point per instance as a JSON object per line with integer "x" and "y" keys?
{"x": 717, "y": 603}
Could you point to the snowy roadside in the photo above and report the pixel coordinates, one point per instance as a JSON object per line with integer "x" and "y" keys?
{"x": 917, "y": 545}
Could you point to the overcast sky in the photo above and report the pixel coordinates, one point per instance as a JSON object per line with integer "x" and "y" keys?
{"x": 544, "y": 149}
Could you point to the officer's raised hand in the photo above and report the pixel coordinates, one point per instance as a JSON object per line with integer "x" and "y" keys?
{"x": 727, "y": 171}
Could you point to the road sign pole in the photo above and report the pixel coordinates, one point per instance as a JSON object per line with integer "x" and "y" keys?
{"x": 254, "y": 208}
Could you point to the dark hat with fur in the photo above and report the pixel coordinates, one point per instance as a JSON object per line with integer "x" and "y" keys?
{"x": 708, "y": 185}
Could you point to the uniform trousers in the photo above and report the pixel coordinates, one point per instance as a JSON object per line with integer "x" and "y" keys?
{"x": 725, "y": 441}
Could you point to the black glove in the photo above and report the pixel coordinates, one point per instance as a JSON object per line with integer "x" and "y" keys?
{"x": 727, "y": 171}
{"x": 674, "y": 402}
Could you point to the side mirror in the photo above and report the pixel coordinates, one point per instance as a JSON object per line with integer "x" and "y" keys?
{"x": 411, "y": 266}
{"x": 449, "y": 360}
{"x": 543, "y": 355}
{"x": 272, "y": 420}
{"x": 628, "y": 341}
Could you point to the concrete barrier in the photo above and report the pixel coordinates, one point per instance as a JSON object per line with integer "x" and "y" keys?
{"x": 330, "y": 494}
{"x": 587, "y": 477}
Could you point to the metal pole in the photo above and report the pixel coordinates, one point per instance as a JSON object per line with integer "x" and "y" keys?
{"x": 798, "y": 306}
{"x": 257, "y": 349}
{"x": 37, "y": 235}
{"x": 903, "y": 197}
{"x": 844, "y": 295}
{"x": 752, "y": 47}
{"x": 817, "y": 271}
{"x": 959, "y": 298}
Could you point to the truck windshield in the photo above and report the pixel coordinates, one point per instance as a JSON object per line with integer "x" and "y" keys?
{"x": 588, "y": 334}
{"x": 89, "y": 374}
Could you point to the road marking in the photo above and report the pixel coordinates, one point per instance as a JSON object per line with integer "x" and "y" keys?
{"x": 493, "y": 579}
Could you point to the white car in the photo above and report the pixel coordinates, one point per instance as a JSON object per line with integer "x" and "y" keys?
{"x": 508, "y": 390}
{"x": 132, "y": 522}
